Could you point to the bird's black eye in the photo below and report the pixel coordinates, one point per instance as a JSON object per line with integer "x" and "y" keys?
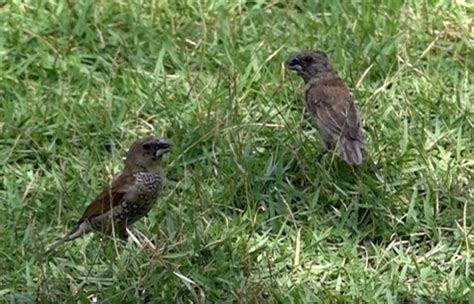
{"x": 146, "y": 146}
{"x": 307, "y": 59}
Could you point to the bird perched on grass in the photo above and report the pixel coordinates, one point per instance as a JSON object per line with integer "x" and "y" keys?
{"x": 330, "y": 103}
{"x": 129, "y": 197}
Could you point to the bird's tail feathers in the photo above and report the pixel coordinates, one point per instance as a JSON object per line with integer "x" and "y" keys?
{"x": 81, "y": 230}
{"x": 353, "y": 151}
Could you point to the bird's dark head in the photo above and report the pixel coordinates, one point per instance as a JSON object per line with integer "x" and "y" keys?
{"x": 147, "y": 152}
{"x": 309, "y": 64}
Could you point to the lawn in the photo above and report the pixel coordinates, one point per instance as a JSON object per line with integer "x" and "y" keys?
{"x": 249, "y": 213}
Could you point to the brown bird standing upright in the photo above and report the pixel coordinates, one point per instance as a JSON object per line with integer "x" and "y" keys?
{"x": 330, "y": 103}
{"x": 129, "y": 197}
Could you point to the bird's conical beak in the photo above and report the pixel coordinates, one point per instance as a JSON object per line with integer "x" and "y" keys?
{"x": 163, "y": 147}
{"x": 293, "y": 64}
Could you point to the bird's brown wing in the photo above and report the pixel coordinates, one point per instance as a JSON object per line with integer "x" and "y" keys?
{"x": 110, "y": 197}
{"x": 353, "y": 121}
{"x": 331, "y": 103}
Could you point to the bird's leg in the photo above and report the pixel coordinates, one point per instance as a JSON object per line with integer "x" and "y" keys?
{"x": 320, "y": 155}
{"x": 122, "y": 233}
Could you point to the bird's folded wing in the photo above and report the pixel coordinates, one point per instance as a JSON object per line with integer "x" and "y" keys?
{"x": 353, "y": 121}
{"x": 333, "y": 106}
{"x": 110, "y": 197}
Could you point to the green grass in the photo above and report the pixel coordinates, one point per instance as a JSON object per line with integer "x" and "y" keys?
{"x": 248, "y": 214}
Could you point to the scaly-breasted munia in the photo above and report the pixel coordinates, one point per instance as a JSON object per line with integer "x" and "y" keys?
{"x": 330, "y": 103}
{"x": 130, "y": 195}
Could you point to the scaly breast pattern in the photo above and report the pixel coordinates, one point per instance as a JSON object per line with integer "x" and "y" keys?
{"x": 147, "y": 187}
